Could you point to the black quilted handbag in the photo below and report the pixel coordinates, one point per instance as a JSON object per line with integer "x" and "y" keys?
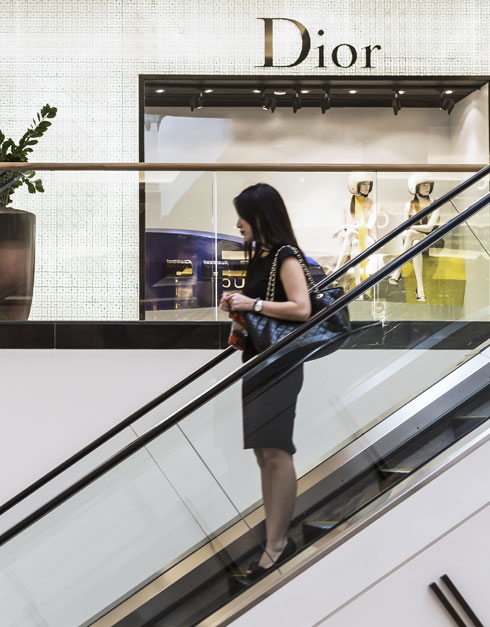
{"x": 321, "y": 339}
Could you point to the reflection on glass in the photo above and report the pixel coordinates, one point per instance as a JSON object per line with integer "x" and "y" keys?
{"x": 180, "y": 243}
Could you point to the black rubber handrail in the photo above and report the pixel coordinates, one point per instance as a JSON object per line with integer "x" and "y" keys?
{"x": 235, "y": 376}
{"x": 105, "y": 437}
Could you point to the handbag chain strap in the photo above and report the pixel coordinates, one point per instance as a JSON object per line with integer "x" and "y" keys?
{"x": 271, "y": 286}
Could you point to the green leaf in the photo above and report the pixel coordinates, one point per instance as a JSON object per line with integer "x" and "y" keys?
{"x": 10, "y": 151}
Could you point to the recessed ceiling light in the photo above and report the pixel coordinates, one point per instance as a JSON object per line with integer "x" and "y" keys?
{"x": 448, "y": 91}
{"x": 401, "y": 91}
{"x": 159, "y": 91}
{"x": 352, "y": 91}
{"x": 280, "y": 93}
{"x": 257, "y": 91}
{"x": 208, "y": 91}
{"x": 305, "y": 91}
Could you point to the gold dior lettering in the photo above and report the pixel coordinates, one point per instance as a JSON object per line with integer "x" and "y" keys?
{"x": 343, "y": 55}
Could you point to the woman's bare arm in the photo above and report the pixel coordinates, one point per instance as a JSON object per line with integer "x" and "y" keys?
{"x": 296, "y": 308}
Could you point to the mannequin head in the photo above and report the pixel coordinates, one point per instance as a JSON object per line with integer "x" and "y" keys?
{"x": 420, "y": 184}
{"x": 360, "y": 183}
{"x": 424, "y": 189}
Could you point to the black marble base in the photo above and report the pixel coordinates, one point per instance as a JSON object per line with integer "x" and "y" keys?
{"x": 214, "y": 335}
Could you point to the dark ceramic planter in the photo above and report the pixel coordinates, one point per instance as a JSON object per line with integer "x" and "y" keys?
{"x": 17, "y": 259}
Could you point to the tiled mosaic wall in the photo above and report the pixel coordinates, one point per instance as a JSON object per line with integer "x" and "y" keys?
{"x": 85, "y": 57}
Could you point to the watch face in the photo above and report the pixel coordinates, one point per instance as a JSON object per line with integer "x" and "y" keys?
{"x": 258, "y": 306}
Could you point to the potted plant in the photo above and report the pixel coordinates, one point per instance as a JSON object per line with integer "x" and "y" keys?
{"x": 17, "y": 227}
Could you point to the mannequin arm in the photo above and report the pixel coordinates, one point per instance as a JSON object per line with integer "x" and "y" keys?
{"x": 429, "y": 227}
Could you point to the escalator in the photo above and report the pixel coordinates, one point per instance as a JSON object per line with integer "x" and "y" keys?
{"x": 162, "y": 532}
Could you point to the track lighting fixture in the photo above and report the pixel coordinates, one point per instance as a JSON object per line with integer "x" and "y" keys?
{"x": 325, "y": 102}
{"x": 196, "y": 102}
{"x": 296, "y": 102}
{"x": 269, "y": 104}
{"x": 395, "y": 103}
{"x": 447, "y": 104}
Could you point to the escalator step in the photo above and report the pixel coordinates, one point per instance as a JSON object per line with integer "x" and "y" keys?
{"x": 395, "y": 471}
{"x": 313, "y": 529}
{"x": 469, "y": 417}
{"x": 463, "y": 423}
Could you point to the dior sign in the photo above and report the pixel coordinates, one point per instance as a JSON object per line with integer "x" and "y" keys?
{"x": 342, "y": 56}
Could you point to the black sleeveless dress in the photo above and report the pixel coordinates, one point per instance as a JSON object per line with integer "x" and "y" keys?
{"x": 269, "y": 396}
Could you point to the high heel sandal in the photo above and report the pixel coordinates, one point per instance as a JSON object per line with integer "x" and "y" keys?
{"x": 420, "y": 299}
{"x": 393, "y": 281}
{"x": 254, "y": 571}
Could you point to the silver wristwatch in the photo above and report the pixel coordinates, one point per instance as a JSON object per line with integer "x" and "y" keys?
{"x": 258, "y": 305}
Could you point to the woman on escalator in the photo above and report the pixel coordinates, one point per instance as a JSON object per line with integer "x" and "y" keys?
{"x": 269, "y": 398}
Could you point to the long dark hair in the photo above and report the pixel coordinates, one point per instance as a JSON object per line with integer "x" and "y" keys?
{"x": 262, "y": 206}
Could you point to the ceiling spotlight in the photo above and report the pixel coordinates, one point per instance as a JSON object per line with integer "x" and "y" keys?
{"x": 257, "y": 91}
{"x": 305, "y": 91}
{"x": 401, "y": 92}
{"x": 159, "y": 91}
{"x": 296, "y": 102}
{"x": 280, "y": 93}
{"x": 448, "y": 92}
{"x": 352, "y": 91}
{"x": 325, "y": 102}
{"x": 208, "y": 91}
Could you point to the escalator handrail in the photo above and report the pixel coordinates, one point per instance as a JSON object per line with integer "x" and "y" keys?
{"x": 116, "y": 429}
{"x": 235, "y": 376}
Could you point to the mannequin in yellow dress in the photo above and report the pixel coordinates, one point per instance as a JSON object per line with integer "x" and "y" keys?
{"x": 358, "y": 232}
{"x": 420, "y": 185}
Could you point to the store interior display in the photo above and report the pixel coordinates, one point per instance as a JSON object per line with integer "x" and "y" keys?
{"x": 336, "y": 215}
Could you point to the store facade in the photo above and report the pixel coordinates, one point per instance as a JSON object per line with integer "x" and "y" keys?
{"x": 93, "y": 60}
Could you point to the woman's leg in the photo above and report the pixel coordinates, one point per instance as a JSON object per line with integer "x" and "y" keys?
{"x": 279, "y": 492}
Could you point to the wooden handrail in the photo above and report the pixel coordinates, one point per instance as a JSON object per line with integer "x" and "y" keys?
{"x": 244, "y": 167}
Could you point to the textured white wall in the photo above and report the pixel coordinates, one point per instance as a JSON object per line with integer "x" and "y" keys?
{"x": 85, "y": 58}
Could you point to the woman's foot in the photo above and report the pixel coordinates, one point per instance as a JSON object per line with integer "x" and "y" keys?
{"x": 270, "y": 560}
{"x": 393, "y": 280}
{"x": 421, "y": 298}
